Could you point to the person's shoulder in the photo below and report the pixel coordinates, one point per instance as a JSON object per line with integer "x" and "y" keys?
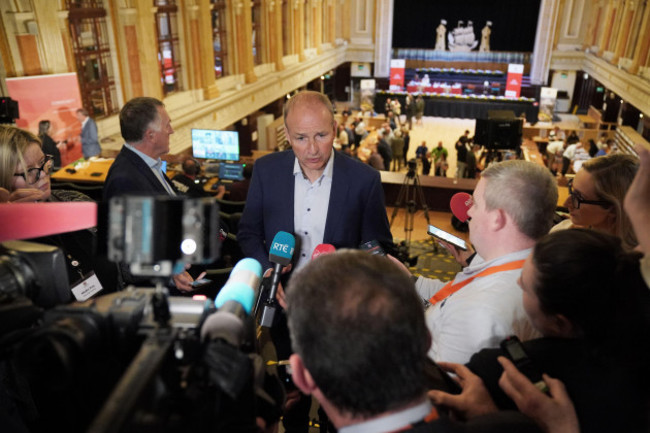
{"x": 273, "y": 158}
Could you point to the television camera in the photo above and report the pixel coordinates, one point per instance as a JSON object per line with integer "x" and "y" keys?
{"x": 135, "y": 360}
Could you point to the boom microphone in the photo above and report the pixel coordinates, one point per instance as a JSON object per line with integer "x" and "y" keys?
{"x": 280, "y": 255}
{"x": 322, "y": 249}
{"x": 460, "y": 204}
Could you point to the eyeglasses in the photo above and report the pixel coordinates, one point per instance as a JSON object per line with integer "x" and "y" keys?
{"x": 32, "y": 175}
{"x": 576, "y": 200}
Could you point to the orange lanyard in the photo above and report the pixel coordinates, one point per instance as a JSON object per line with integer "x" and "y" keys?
{"x": 451, "y": 288}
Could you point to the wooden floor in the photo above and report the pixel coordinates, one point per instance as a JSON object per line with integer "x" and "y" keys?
{"x": 441, "y": 220}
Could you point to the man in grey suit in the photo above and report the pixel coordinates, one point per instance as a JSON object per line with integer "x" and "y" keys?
{"x": 89, "y": 141}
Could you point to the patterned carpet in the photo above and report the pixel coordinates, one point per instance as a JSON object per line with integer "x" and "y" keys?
{"x": 433, "y": 261}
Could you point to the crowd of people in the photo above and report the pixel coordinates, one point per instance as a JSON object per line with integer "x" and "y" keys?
{"x": 371, "y": 342}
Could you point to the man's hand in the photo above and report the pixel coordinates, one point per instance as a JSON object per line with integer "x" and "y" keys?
{"x": 459, "y": 255}
{"x": 279, "y": 295}
{"x": 221, "y": 191}
{"x": 183, "y": 281}
{"x": 554, "y": 414}
{"x": 21, "y": 195}
{"x": 473, "y": 401}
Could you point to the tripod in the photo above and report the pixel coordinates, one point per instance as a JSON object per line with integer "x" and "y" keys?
{"x": 409, "y": 193}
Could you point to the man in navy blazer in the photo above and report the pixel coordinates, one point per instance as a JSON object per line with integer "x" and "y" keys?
{"x": 354, "y": 210}
{"x": 89, "y": 140}
{"x": 317, "y": 194}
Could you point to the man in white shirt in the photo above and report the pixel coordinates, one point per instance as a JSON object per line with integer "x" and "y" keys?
{"x": 513, "y": 206}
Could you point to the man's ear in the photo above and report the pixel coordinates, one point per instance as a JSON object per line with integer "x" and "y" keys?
{"x": 301, "y": 376}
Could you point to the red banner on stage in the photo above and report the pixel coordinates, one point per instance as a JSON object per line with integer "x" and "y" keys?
{"x": 397, "y": 67}
{"x": 55, "y": 98}
{"x": 513, "y": 82}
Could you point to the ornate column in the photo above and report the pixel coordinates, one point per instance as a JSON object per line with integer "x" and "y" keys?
{"x": 328, "y": 21}
{"x": 610, "y": 16}
{"x": 144, "y": 52}
{"x": 46, "y": 13}
{"x": 316, "y": 25}
{"x": 275, "y": 33}
{"x": 199, "y": 47}
{"x": 244, "y": 39}
{"x": 592, "y": 25}
{"x": 383, "y": 37}
{"x": 546, "y": 23}
{"x": 643, "y": 43}
{"x": 624, "y": 33}
{"x": 299, "y": 28}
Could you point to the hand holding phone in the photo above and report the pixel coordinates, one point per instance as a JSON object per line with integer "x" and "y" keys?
{"x": 517, "y": 354}
{"x": 200, "y": 282}
{"x": 447, "y": 237}
{"x": 373, "y": 247}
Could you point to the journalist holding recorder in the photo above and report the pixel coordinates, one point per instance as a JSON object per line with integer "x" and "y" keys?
{"x": 585, "y": 294}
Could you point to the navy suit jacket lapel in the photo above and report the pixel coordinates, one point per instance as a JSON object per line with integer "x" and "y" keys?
{"x": 338, "y": 198}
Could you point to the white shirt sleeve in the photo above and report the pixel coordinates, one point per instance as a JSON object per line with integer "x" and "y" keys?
{"x": 427, "y": 287}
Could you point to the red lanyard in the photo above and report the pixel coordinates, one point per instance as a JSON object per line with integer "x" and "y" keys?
{"x": 451, "y": 288}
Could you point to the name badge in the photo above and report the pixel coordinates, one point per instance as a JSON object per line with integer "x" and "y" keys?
{"x": 87, "y": 288}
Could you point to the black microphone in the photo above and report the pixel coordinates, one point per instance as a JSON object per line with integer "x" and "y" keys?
{"x": 280, "y": 255}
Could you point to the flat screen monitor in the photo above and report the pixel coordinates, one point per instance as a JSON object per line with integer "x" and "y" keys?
{"x": 212, "y": 144}
{"x": 231, "y": 171}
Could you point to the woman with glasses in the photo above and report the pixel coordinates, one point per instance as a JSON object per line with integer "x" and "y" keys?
{"x": 25, "y": 177}
{"x": 596, "y": 197}
{"x": 24, "y": 168}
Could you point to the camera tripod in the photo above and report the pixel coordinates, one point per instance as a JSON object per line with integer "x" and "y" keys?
{"x": 408, "y": 196}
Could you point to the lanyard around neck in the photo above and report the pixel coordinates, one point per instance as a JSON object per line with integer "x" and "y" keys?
{"x": 451, "y": 288}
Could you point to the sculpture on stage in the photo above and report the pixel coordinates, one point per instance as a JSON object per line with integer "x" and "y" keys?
{"x": 462, "y": 38}
{"x": 485, "y": 37}
{"x": 441, "y": 30}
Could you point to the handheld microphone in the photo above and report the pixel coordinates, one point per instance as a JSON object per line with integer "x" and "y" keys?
{"x": 280, "y": 255}
{"x": 460, "y": 204}
{"x": 322, "y": 249}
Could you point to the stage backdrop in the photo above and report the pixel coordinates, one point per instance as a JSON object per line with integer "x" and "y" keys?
{"x": 514, "y": 22}
{"x": 50, "y": 97}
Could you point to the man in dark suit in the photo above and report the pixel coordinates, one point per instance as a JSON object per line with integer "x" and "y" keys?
{"x": 146, "y": 127}
{"x": 353, "y": 204}
{"x": 89, "y": 141}
{"x": 315, "y": 193}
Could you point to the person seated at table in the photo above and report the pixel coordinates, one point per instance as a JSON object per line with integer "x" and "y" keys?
{"x": 26, "y": 178}
{"x": 186, "y": 182}
{"x": 585, "y": 294}
{"x": 596, "y": 197}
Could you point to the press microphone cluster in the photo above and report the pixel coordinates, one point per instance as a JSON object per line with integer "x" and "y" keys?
{"x": 280, "y": 255}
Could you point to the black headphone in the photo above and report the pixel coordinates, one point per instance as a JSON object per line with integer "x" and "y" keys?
{"x": 196, "y": 167}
